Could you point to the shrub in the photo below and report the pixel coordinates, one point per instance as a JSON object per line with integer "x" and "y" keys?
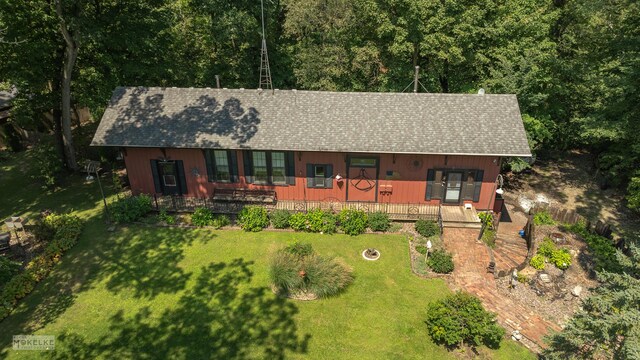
{"x": 604, "y": 252}
{"x": 523, "y": 279}
{"x": 297, "y": 269}
{"x": 43, "y": 230}
{"x": 298, "y": 221}
{"x": 487, "y": 219}
{"x": 427, "y": 228}
{"x": 47, "y": 164}
{"x": 8, "y": 268}
{"x": 321, "y": 221}
{"x": 440, "y": 262}
{"x": 395, "y": 227}
{"x": 253, "y": 218}
{"x": 166, "y": 218}
{"x": 202, "y": 217}
{"x": 130, "y": 209}
{"x": 422, "y": 249}
{"x": 537, "y": 262}
{"x": 547, "y": 248}
{"x": 543, "y": 218}
{"x": 379, "y": 221}
{"x": 561, "y": 258}
{"x": 353, "y": 222}
{"x": 220, "y": 221}
{"x": 459, "y": 319}
{"x": 280, "y": 219}
{"x": 633, "y": 193}
{"x": 489, "y": 237}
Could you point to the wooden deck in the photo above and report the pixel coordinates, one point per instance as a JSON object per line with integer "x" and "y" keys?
{"x": 458, "y": 216}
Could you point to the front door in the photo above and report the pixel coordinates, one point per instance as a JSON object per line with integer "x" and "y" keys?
{"x": 453, "y": 187}
{"x": 362, "y": 179}
{"x": 169, "y": 181}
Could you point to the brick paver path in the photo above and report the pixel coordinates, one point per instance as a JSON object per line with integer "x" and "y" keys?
{"x": 471, "y": 258}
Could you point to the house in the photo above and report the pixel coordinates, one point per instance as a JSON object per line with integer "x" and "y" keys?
{"x": 393, "y": 148}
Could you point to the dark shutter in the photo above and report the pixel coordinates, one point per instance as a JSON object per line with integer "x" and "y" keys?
{"x": 478, "y": 185}
{"x": 310, "y": 175}
{"x": 431, "y": 174}
{"x": 156, "y": 176}
{"x": 183, "y": 179}
{"x": 468, "y": 185}
{"x": 233, "y": 165}
{"x": 328, "y": 176}
{"x": 267, "y": 155}
{"x": 291, "y": 167}
{"x": 211, "y": 167}
{"x": 438, "y": 187}
{"x": 248, "y": 166}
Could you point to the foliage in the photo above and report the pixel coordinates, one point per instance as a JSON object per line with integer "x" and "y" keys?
{"x": 486, "y": 218}
{"x": 547, "y": 247}
{"x": 606, "y": 327}
{"x": 537, "y": 262}
{"x": 43, "y": 230}
{"x": 561, "y": 258}
{"x": 427, "y": 228}
{"x": 280, "y": 219}
{"x": 395, "y": 227}
{"x": 379, "y": 221}
{"x": 440, "y": 262}
{"x": 459, "y": 319}
{"x": 202, "y": 217}
{"x": 130, "y": 209}
{"x": 47, "y": 164}
{"x": 118, "y": 186}
{"x": 8, "y": 268}
{"x": 633, "y": 193}
{"x": 316, "y": 220}
{"x": 353, "y": 222}
{"x": 220, "y": 221}
{"x": 421, "y": 249}
{"x": 67, "y": 230}
{"x": 166, "y": 218}
{"x": 253, "y": 218}
{"x": 298, "y": 221}
{"x": 543, "y": 218}
{"x": 489, "y": 237}
{"x": 297, "y": 269}
{"x": 517, "y": 165}
{"x": 523, "y": 279}
{"x": 602, "y": 249}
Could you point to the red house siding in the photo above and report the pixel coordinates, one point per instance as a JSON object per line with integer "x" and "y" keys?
{"x": 407, "y": 184}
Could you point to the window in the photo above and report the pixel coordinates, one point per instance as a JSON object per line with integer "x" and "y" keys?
{"x": 168, "y": 173}
{"x": 363, "y": 162}
{"x": 320, "y": 176}
{"x": 318, "y": 172}
{"x": 221, "y": 165}
{"x": 269, "y": 167}
{"x": 260, "y": 166}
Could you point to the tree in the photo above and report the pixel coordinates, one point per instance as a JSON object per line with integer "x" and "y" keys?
{"x": 459, "y": 319}
{"x": 607, "y": 326}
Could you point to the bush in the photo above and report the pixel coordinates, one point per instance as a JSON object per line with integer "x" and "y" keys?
{"x": 8, "y": 268}
{"x": 130, "y": 209}
{"x": 633, "y": 193}
{"x": 561, "y": 258}
{"x": 47, "y": 164}
{"x": 166, "y": 218}
{"x": 537, "y": 262}
{"x": 42, "y": 230}
{"x": 421, "y": 249}
{"x": 220, "y": 221}
{"x": 202, "y": 217}
{"x": 604, "y": 252}
{"x": 298, "y": 270}
{"x": 440, "y": 262}
{"x": 253, "y": 218}
{"x": 298, "y": 221}
{"x": 353, "y": 222}
{"x": 280, "y": 219}
{"x": 489, "y": 237}
{"x": 427, "y": 228}
{"x": 321, "y": 221}
{"x": 543, "y": 218}
{"x": 379, "y": 221}
{"x": 487, "y": 219}
{"x": 459, "y": 319}
{"x": 547, "y": 248}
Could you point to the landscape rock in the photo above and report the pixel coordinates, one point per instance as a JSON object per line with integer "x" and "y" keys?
{"x": 542, "y": 199}
{"x": 525, "y": 203}
{"x": 545, "y": 278}
{"x": 576, "y": 291}
{"x": 553, "y": 271}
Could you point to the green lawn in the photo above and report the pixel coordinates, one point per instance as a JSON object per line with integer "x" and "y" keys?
{"x": 143, "y": 292}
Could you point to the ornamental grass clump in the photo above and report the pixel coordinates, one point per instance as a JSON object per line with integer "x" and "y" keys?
{"x": 298, "y": 272}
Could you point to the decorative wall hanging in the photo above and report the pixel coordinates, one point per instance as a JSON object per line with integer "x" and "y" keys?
{"x": 363, "y": 181}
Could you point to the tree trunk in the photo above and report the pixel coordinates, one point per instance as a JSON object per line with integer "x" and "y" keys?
{"x": 71, "y": 54}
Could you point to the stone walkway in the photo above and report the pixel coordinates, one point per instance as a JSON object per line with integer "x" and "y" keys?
{"x": 471, "y": 258}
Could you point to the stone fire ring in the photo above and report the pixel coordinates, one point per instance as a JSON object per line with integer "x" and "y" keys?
{"x": 370, "y": 259}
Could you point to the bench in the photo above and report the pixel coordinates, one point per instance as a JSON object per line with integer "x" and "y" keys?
{"x": 245, "y": 195}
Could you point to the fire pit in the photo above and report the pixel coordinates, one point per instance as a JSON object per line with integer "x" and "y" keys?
{"x": 371, "y": 254}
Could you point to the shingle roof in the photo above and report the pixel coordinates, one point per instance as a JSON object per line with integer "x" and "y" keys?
{"x": 314, "y": 121}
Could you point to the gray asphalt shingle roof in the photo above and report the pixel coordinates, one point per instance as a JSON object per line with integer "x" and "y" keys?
{"x": 420, "y": 123}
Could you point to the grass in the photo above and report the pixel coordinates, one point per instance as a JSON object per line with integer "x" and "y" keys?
{"x": 145, "y": 292}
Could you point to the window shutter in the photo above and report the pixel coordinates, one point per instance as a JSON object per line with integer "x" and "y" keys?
{"x": 267, "y": 156}
{"x": 328, "y": 176}
{"x": 468, "y": 185}
{"x": 211, "y": 172}
{"x": 431, "y": 175}
{"x": 438, "y": 188}
{"x": 156, "y": 176}
{"x": 233, "y": 165}
{"x": 310, "y": 175}
{"x": 478, "y": 185}
{"x": 291, "y": 168}
{"x": 183, "y": 179}
{"x": 248, "y": 166}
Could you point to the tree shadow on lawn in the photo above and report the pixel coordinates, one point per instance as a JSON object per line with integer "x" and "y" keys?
{"x": 143, "y": 262}
{"x": 213, "y": 319}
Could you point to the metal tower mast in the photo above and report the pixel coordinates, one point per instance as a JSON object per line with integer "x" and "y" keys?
{"x": 265, "y": 71}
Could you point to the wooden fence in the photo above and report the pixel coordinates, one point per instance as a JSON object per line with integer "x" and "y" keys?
{"x": 569, "y": 216}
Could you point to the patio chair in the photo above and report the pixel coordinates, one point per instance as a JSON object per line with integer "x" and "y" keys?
{"x": 4, "y": 242}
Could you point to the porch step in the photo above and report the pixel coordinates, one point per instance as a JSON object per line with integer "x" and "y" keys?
{"x": 462, "y": 224}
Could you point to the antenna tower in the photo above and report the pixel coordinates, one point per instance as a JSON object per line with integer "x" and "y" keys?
{"x": 265, "y": 71}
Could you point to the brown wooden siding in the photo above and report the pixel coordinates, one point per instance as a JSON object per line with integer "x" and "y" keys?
{"x": 406, "y": 184}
